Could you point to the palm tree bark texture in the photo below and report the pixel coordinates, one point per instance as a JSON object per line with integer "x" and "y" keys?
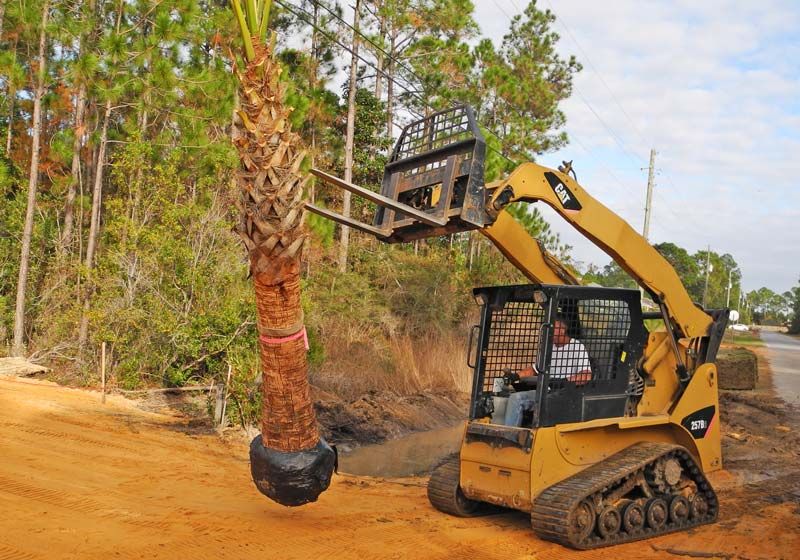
{"x": 290, "y": 462}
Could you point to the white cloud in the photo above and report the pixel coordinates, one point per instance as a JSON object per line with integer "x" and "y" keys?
{"x": 714, "y": 87}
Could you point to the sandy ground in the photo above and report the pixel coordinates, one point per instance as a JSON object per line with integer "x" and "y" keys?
{"x": 83, "y": 480}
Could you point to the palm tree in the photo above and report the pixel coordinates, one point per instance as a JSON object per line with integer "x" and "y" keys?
{"x": 290, "y": 462}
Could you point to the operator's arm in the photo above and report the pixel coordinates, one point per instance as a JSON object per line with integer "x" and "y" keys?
{"x": 581, "y": 378}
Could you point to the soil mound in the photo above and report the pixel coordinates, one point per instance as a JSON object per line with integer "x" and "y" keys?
{"x": 737, "y": 368}
{"x": 379, "y": 415}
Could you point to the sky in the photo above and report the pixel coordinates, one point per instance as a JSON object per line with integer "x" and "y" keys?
{"x": 714, "y": 87}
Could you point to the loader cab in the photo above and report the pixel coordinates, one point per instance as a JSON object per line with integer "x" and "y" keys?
{"x": 521, "y": 327}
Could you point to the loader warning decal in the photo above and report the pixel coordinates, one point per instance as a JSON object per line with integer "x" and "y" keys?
{"x": 698, "y": 423}
{"x": 568, "y": 200}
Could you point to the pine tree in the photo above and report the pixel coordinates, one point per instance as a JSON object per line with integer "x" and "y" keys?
{"x": 18, "y": 347}
{"x": 517, "y": 89}
{"x": 113, "y": 46}
{"x": 344, "y": 239}
{"x": 84, "y": 65}
{"x": 794, "y": 326}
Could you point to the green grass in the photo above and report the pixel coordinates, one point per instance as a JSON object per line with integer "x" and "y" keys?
{"x": 742, "y": 338}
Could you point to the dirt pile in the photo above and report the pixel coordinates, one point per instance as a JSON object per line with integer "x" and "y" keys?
{"x": 374, "y": 417}
{"x": 378, "y": 415}
{"x": 737, "y": 368}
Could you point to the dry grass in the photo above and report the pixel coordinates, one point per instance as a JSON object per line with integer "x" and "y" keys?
{"x": 401, "y": 364}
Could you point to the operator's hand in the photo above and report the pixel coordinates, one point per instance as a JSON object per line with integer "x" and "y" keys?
{"x": 509, "y": 377}
{"x": 581, "y": 378}
{"x": 528, "y": 372}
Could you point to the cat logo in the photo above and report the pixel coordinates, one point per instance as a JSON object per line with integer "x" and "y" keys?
{"x": 565, "y": 196}
{"x": 562, "y": 193}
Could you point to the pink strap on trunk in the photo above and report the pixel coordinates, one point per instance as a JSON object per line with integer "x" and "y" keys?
{"x": 299, "y": 334}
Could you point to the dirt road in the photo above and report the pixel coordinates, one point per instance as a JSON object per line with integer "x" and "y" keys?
{"x": 83, "y": 480}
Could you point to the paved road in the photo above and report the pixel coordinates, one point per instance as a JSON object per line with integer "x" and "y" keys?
{"x": 784, "y": 358}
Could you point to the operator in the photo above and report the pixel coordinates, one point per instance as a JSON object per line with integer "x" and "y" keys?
{"x": 569, "y": 360}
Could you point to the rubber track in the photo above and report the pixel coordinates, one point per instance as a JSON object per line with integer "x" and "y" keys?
{"x": 443, "y": 487}
{"x": 552, "y": 507}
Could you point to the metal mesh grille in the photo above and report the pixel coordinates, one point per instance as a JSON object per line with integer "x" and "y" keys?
{"x": 440, "y": 130}
{"x": 587, "y": 342}
{"x": 513, "y": 339}
{"x": 594, "y": 334}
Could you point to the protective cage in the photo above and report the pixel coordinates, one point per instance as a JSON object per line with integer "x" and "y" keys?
{"x": 583, "y": 342}
{"x": 436, "y": 167}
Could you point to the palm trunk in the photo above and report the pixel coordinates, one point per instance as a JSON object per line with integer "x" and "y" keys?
{"x": 271, "y": 186}
{"x": 290, "y": 463}
{"x": 18, "y": 345}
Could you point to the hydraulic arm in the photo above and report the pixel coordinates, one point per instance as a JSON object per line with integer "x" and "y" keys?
{"x": 533, "y": 183}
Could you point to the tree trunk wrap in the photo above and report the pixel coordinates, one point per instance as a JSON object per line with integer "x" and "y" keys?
{"x": 288, "y": 422}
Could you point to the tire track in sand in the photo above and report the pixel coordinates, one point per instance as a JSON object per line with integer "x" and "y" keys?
{"x": 8, "y": 553}
{"x": 59, "y": 435}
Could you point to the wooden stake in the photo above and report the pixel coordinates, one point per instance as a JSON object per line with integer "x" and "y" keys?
{"x": 103, "y": 369}
{"x": 222, "y": 421}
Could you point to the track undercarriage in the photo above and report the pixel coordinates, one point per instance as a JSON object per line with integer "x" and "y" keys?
{"x": 646, "y": 490}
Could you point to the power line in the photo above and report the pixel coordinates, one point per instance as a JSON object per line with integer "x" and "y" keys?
{"x": 403, "y": 87}
{"x": 402, "y": 65}
{"x": 499, "y": 7}
{"x": 573, "y": 136}
{"x": 295, "y": 9}
{"x": 611, "y": 132}
{"x": 394, "y": 59}
{"x": 635, "y": 128}
{"x": 616, "y": 137}
{"x": 373, "y": 43}
{"x": 563, "y": 24}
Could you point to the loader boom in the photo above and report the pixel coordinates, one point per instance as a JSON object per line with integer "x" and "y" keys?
{"x": 531, "y": 182}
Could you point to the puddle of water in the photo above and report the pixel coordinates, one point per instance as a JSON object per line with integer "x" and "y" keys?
{"x": 413, "y": 454}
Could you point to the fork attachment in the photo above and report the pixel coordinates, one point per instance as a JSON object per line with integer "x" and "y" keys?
{"x": 433, "y": 184}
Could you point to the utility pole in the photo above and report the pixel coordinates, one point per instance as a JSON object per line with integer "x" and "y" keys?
{"x": 708, "y": 269}
{"x": 728, "y": 298}
{"x": 648, "y": 206}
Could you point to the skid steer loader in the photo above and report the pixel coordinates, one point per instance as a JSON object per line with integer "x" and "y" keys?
{"x": 618, "y": 425}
